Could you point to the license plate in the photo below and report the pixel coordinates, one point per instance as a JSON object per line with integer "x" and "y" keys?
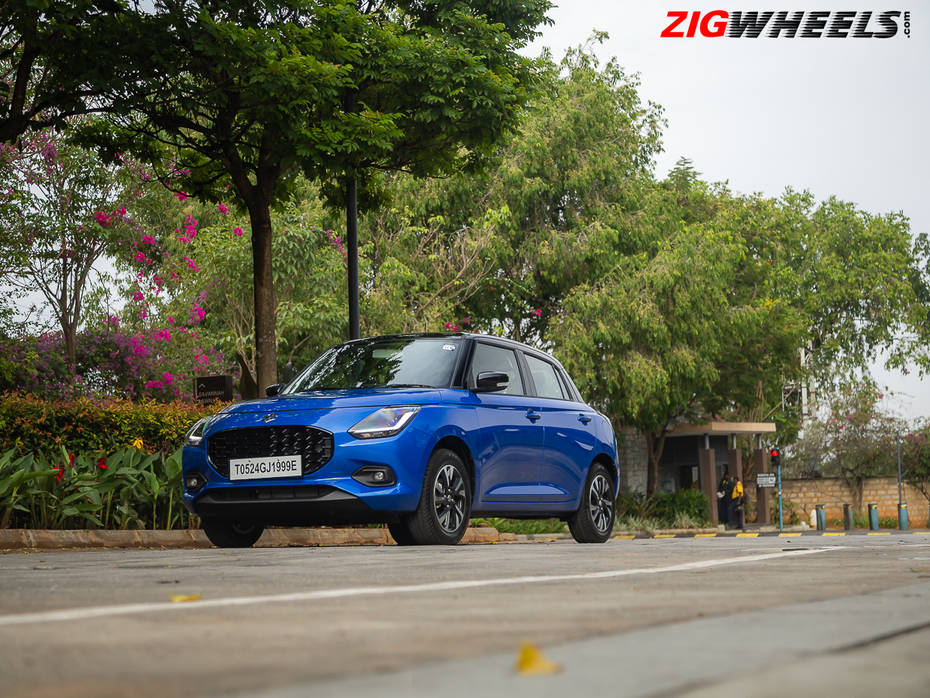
{"x": 265, "y": 467}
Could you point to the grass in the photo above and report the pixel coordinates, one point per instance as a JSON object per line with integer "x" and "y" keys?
{"x": 523, "y": 525}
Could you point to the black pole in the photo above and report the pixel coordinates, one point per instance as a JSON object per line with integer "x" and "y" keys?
{"x": 355, "y": 330}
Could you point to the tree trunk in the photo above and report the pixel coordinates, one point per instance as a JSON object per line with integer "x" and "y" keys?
{"x": 266, "y": 363}
{"x": 248, "y": 388}
{"x": 656, "y": 443}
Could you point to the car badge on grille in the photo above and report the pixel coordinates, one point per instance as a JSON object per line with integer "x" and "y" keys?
{"x": 269, "y": 418}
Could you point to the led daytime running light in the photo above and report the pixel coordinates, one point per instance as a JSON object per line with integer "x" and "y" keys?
{"x": 387, "y": 421}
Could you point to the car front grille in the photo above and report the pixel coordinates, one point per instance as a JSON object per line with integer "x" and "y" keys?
{"x": 315, "y": 446}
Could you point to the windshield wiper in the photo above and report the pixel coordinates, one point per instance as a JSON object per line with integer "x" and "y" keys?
{"x": 405, "y": 385}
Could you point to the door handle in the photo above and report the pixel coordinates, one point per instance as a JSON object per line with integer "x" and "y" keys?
{"x": 583, "y": 418}
{"x": 533, "y": 416}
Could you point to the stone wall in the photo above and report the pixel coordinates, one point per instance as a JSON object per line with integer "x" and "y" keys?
{"x": 634, "y": 459}
{"x": 833, "y": 493}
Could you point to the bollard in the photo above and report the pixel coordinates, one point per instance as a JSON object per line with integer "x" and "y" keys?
{"x": 848, "y": 521}
{"x": 873, "y": 517}
{"x": 902, "y": 516}
{"x": 821, "y": 518}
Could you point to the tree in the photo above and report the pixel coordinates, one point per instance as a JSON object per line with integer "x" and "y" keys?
{"x": 59, "y": 216}
{"x": 567, "y": 188}
{"x": 651, "y": 343}
{"x": 250, "y": 94}
{"x": 853, "y": 439}
{"x": 53, "y": 64}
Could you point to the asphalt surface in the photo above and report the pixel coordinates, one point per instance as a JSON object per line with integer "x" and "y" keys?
{"x": 724, "y": 616}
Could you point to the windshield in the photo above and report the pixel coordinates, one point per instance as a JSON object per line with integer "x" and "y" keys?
{"x": 415, "y": 362}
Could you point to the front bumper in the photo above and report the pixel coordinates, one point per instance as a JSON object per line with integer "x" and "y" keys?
{"x": 328, "y": 495}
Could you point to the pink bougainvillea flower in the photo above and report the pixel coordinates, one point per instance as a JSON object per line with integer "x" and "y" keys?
{"x": 167, "y": 378}
{"x": 181, "y": 195}
{"x": 140, "y": 256}
{"x": 148, "y": 240}
{"x": 143, "y": 314}
{"x": 197, "y": 314}
{"x": 121, "y": 211}
{"x": 171, "y": 319}
{"x": 154, "y": 384}
{"x": 537, "y": 312}
{"x": 102, "y": 463}
{"x": 222, "y": 209}
{"x": 238, "y": 231}
{"x": 137, "y": 296}
{"x": 102, "y": 219}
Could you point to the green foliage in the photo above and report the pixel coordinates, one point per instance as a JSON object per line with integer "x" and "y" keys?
{"x": 30, "y": 425}
{"x": 524, "y": 526}
{"x": 854, "y": 439}
{"x": 690, "y": 503}
{"x": 126, "y": 489}
{"x": 916, "y": 459}
{"x": 682, "y": 509}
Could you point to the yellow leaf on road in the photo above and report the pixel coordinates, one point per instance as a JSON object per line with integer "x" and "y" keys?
{"x": 532, "y": 662}
{"x": 181, "y": 598}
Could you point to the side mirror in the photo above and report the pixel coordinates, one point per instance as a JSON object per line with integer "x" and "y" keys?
{"x": 491, "y": 382}
{"x": 273, "y": 390}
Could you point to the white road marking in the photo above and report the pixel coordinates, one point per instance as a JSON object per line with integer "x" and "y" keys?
{"x": 128, "y": 609}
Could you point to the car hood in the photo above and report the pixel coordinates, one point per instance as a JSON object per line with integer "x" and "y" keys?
{"x": 332, "y": 399}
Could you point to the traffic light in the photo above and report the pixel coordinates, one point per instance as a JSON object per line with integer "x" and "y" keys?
{"x": 776, "y": 456}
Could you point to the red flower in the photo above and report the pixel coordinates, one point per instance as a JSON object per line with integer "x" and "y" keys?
{"x": 70, "y": 460}
{"x": 60, "y": 475}
{"x": 102, "y": 463}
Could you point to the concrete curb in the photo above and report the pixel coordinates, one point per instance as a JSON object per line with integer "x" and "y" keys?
{"x": 27, "y": 539}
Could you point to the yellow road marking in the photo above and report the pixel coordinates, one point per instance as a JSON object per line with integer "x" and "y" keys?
{"x": 664, "y": 535}
{"x": 747, "y": 535}
{"x": 788, "y": 535}
{"x": 840, "y": 533}
{"x": 921, "y": 533}
{"x": 625, "y": 537}
{"x": 705, "y": 535}
{"x": 879, "y": 533}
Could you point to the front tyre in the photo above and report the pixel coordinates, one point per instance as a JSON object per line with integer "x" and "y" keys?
{"x": 232, "y": 534}
{"x": 594, "y": 520}
{"x": 445, "y": 502}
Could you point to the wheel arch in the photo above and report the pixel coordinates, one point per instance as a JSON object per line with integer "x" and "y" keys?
{"x": 458, "y": 446}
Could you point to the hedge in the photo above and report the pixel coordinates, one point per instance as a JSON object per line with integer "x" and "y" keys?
{"x": 31, "y": 425}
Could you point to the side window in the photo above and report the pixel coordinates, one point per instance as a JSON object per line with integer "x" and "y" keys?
{"x": 547, "y": 383}
{"x": 487, "y": 357}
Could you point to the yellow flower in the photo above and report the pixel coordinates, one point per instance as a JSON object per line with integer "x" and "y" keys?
{"x": 137, "y": 444}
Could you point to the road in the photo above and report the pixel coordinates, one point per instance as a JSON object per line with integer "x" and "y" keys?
{"x": 676, "y": 617}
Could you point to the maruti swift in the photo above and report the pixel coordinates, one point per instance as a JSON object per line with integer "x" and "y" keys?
{"x": 420, "y": 432}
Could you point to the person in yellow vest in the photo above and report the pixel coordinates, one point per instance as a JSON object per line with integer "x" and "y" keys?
{"x": 735, "y": 504}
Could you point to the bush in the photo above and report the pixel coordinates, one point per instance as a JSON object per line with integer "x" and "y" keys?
{"x": 31, "y": 425}
{"x": 690, "y": 503}
{"x": 127, "y": 489}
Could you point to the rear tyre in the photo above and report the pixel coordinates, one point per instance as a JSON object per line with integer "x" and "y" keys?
{"x": 445, "y": 502}
{"x": 400, "y": 533}
{"x": 594, "y": 520}
{"x": 232, "y": 534}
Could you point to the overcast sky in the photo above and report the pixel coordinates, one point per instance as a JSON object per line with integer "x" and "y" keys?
{"x": 848, "y": 117}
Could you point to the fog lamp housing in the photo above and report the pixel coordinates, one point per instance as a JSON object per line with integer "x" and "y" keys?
{"x": 194, "y": 482}
{"x": 375, "y": 475}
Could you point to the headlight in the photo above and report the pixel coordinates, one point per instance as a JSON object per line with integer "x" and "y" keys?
{"x": 195, "y": 434}
{"x": 387, "y": 421}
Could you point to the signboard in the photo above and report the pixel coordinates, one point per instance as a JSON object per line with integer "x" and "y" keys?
{"x": 208, "y": 389}
{"x": 765, "y": 480}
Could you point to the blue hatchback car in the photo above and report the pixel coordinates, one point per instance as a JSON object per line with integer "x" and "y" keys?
{"x": 420, "y": 432}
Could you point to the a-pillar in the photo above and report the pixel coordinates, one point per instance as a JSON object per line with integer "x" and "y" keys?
{"x": 709, "y": 478}
{"x": 763, "y": 494}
